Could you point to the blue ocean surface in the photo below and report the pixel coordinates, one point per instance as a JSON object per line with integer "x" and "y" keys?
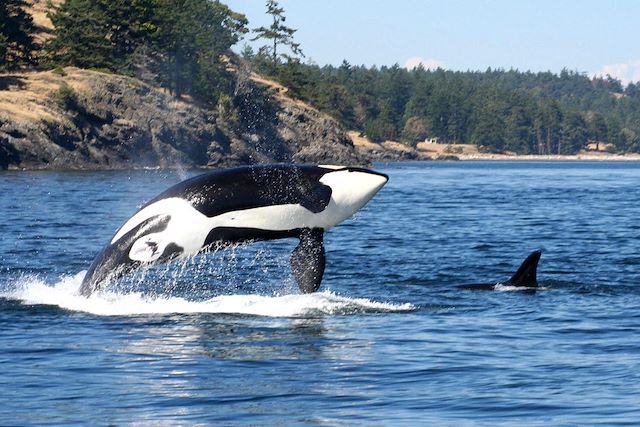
{"x": 225, "y": 338}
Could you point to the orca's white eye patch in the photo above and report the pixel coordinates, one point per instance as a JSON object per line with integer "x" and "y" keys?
{"x": 146, "y": 249}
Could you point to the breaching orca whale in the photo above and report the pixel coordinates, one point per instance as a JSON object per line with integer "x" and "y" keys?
{"x": 238, "y": 205}
{"x": 525, "y": 277}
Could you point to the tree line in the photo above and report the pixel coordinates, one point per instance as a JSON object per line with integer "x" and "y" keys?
{"x": 497, "y": 110}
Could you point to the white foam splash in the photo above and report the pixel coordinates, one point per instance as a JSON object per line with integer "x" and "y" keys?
{"x": 64, "y": 294}
{"x": 509, "y": 288}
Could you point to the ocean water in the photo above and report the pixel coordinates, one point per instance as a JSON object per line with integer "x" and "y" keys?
{"x": 226, "y": 339}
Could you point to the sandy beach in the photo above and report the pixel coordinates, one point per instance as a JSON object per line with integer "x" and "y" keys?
{"x": 389, "y": 150}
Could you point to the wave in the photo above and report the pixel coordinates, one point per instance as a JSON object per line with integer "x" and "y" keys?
{"x": 510, "y": 288}
{"x": 64, "y": 294}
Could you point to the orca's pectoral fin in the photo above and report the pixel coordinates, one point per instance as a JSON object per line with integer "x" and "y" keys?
{"x": 308, "y": 260}
{"x": 526, "y": 276}
{"x": 317, "y": 199}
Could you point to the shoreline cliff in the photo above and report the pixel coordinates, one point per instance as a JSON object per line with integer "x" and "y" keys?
{"x": 82, "y": 119}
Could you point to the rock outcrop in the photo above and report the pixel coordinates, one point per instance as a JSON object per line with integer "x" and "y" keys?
{"x": 81, "y": 119}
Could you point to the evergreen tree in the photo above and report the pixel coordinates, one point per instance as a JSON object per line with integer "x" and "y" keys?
{"x": 539, "y": 129}
{"x": 129, "y": 25}
{"x": 553, "y": 118}
{"x": 190, "y": 38}
{"x": 488, "y": 130}
{"x": 16, "y": 39}
{"x": 574, "y": 134}
{"x": 632, "y": 90}
{"x": 100, "y": 33}
{"x": 414, "y": 131}
{"x": 597, "y": 127}
{"x": 183, "y": 40}
{"x": 418, "y": 104}
{"x": 81, "y": 35}
{"x": 278, "y": 34}
{"x": 629, "y": 140}
{"x": 382, "y": 127}
{"x": 3, "y": 51}
{"x": 518, "y": 131}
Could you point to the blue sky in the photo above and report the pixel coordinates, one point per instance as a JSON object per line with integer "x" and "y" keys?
{"x": 595, "y": 37}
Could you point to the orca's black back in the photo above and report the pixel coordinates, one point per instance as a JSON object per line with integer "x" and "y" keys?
{"x": 524, "y": 277}
{"x": 248, "y": 187}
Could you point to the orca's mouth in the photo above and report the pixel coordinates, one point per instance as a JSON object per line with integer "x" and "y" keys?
{"x": 369, "y": 171}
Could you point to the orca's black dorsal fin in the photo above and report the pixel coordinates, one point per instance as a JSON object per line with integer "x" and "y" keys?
{"x": 308, "y": 260}
{"x": 526, "y": 276}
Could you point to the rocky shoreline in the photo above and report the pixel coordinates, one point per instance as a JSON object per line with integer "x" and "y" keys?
{"x": 108, "y": 121}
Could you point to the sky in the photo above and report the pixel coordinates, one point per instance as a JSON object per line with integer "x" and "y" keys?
{"x": 587, "y": 36}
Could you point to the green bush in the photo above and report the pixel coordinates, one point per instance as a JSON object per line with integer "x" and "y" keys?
{"x": 59, "y": 71}
{"x": 66, "y": 97}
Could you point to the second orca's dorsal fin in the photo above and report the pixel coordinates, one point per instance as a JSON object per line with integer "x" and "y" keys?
{"x": 526, "y": 276}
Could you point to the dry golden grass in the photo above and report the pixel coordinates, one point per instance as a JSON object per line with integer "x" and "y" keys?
{"x": 422, "y": 150}
{"x": 447, "y": 149}
{"x": 280, "y": 91}
{"x": 362, "y": 142}
{"x": 277, "y": 87}
{"x": 27, "y": 97}
{"x": 38, "y": 10}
